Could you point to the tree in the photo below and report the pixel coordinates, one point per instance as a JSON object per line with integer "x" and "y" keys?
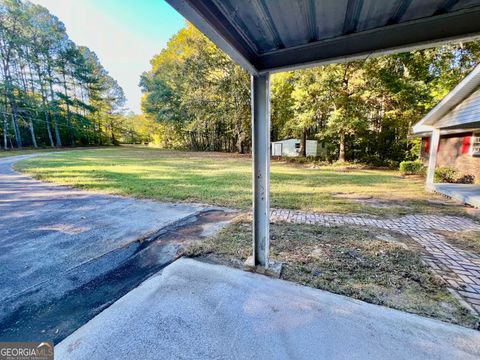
{"x": 200, "y": 94}
{"x": 361, "y": 111}
{"x": 282, "y": 112}
{"x": 51, "y": 91}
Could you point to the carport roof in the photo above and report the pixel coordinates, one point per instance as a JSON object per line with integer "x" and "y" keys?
{"x": 273, "y": 35}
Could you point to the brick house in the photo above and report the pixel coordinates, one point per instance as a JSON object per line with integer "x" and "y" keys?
{"x": 452, "y": 128}
{"x": 459, "y": 151}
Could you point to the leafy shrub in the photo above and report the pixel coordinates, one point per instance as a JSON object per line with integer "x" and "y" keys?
{"x": 466, "y": 179}
{"x": 392, "y": 164}
{"x": 301, "y": 159}
{"x": 295, "y": 159}
{"x": 411, "y": 167}
{"x": 375, "y": 162}
{"x": 445, "y": 175}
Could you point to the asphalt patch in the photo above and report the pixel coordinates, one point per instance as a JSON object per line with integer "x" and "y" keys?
{"x": 43, "y": 316}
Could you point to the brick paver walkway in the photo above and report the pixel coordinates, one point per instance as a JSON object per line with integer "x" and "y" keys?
{"x": 459, "y": 268}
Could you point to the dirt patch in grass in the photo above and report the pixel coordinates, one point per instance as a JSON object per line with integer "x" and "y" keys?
{"x": 372, "y": 202}
{"x": 464, "y": 240}
{"x": 385, "y": 270}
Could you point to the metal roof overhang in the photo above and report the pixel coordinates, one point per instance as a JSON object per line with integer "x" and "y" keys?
{"x": 275, "y": 35}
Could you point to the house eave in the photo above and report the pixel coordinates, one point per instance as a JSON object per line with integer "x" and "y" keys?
{"x": 428, "y": 133}
{"x": 420, "y": 129}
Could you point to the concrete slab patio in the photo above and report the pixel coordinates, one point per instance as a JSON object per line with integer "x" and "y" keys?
{"x": 194, "y": 310}
{"x": 54, "y": 239}
{"x": 465, "y": 193}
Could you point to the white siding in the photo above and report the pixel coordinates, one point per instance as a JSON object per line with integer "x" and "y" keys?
{"x": 467, "y": 111}
{"x": 291, "y": 147}
{"x": 312, "y": 148}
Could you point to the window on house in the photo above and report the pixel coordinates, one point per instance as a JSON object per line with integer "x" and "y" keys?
{"x": 476, "y": 144}
{"x": 297, "y": 145}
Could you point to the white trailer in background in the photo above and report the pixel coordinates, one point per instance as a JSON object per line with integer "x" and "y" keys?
{"x": 291, "y": 147}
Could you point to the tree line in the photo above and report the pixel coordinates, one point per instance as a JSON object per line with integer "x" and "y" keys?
{"x": 360, "y": 111}
{"x": 52, "y": 92}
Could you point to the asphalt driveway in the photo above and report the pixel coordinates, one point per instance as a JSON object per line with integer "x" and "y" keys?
{"x": 56, "y": 240}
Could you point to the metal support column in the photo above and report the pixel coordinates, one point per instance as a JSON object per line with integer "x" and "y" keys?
{"x": 432, "y": 159}
{"x": 261, "y": 168}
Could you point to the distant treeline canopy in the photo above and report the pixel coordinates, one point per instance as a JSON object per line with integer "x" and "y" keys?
{"x": 360, "y": 110}
{"x": 52, "y": 92}
{"x": 55, "y": 93}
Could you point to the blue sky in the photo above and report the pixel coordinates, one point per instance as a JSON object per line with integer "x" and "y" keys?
{"x": 125, "y": 34}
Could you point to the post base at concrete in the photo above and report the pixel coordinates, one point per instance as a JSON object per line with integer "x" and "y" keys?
{"x": 430, "y": 187}
{"x": 274, "y": 269}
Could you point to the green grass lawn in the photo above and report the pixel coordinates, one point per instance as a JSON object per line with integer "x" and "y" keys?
{"x": 466, "y": 240}
{"x": 225, "y": 179}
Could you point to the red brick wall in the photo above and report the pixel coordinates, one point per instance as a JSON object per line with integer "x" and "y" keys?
{"x": 450, "y": 149}
{"x": 454, "y": 152}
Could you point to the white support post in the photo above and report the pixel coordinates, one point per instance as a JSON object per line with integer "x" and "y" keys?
{"x": 432, "y": 159}
{"x": 260, "y": 87}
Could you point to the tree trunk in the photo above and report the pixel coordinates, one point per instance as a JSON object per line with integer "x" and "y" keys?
{"x": 303, "y": 143}
{"x": 32, "y": 133}
{"x": 65, "y": 90}
{"x": 47, "y": 120}
{"x": 32, "y": 106}
{"x": 44, "y": 103}
{"x": 95, "y": 132}
{"x": 16, "y": 129}
{"x": 341, "y": 153}
{"x": 5, "y": 131}
{"x": 8, "y": 83}
{"x": 240, "y": 139}
{"x": 240, "y": 144}
{"x": 58, "y": 140}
